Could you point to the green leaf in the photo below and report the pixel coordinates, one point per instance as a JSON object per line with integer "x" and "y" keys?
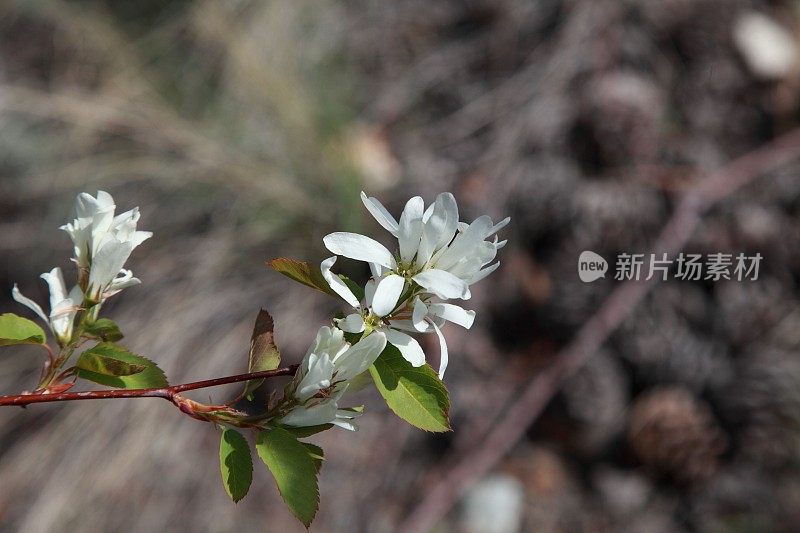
{"x": 235, "y": 464}
{"x": 304, "y": 273}
{"x": 294, "y": 470}
{"x": 316, "y": 453}
{"x": 355, "y": 288}
{"x": 264, "y": 355}
{"x": 150, "y": 377}
{"x": 416, "y": 395}
{"x": 303, "y": 432}
{"x": 17, "y": 330}
{"x": 107, "y": 366}
{"x": 104, "y": 329}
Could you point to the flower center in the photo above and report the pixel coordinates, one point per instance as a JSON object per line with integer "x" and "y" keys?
{"x": 407, "y": 270}
{"x": 372, "y": 321}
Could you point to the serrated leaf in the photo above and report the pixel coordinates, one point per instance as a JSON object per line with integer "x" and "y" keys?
{"x": 107, "y": 366}
{"x": 294, "y": 470}
{"x": 264, "y": 355}
{"x": 316, "y": 453}
{"x": 150, "y": 377}
{"x": 416, "y": 395}
{"x": 15, "y": 329}
{"x": 104, "y": 329}
{"x": 302, "y": 272}
{"x": 307, "y": 431}
{"x": 235, "y": 463}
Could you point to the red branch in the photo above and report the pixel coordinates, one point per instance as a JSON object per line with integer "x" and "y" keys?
{"x": 168, "y": 393}
{"x": 458, "y": 476}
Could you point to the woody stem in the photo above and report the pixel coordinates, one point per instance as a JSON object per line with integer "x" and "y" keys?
{"x": 167, "y": 393}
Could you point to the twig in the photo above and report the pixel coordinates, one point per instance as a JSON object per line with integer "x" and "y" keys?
{"x": 532, "y": 400}
{"x": 168, "y": 393}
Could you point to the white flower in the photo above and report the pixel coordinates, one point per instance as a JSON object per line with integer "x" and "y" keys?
{"x": 63, "y": 306}
{"x": 324, "y": 375}
{"x": 104, "y": 242}
{"x": 331, "y": 359}
{"x": 436, "y": 251}
{"x": 322, "y": 411}
{"x": 380, "y": 310}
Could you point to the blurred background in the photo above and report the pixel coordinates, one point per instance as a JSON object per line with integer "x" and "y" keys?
{"x": 246, "y": 129}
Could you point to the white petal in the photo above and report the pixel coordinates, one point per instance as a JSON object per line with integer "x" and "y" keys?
{"x": 408, "y": 346}
{"x": 343, "y": 423}
{"x": 87, "y": 205}
{"x": 453, "y": 313}
{"x": 30, "y": 304}
{"x": 444, "y": 220}
{"x": 359, "y": 247}
{"x": 123, "y": 282}
{"x": 443, "y": 355}
{"x": 464, "y": 244}
{"x": 443, "y": 284}
{"x": 317, "y": 377}
{"x": 380, "y": 213}
{"x": 407, "y": 325}
{"x": 79, "y": 231}
{"x": 369, "y": 291}
{"x": 352, "y": 323}
{"x": 336, "y": 283}
{"x": 321, "y": 413}
{"x": 139, "y": 237}
{"x": 62, "y": 319}
{"x": 359, "y": 357}
{"x": 104, "y": 200}
{"x": 376, "y": 270}
{"x": 497, "y": 227}
{"x": 387, "y": 292}
{"x": 485, "y": 272}
{"x": 410, "y": 229}
{"x": 58, "y": 289}
{"x": 427, "y": 214}
{"x": 427, "y": 245}
{"x": 418, "y": 316}
{"x": 106, "y": 264}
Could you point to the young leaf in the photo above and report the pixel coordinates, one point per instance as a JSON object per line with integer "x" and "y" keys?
{"x": 294, "y": 470}
{"x": 235, "y": 464}
{"x": 104, "y": 329}
{"x": 17, "y": 330}
{"x": 302, "y": 272}
{"x": 150, "y": 377}
{"x": 264, "y": 355}
{"x": 316, "y": 453}
{"x": 416, "y": 395}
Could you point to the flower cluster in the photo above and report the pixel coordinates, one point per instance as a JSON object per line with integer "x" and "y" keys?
{"x": 324, "y": 376}
{"x": 438, "y": 258}
{"x": 103, "y": 243}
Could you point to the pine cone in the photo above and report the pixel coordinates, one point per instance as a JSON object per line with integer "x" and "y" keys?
{"x": 596, "y": 398}
{"x": 666, "y": 344}
{"x": 764, "y": 399}
{"x": 674, "y": 433}
{"x": 747, "y": 310}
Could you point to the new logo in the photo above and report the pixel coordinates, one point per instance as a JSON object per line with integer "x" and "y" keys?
{"x": 591, "y": 266}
